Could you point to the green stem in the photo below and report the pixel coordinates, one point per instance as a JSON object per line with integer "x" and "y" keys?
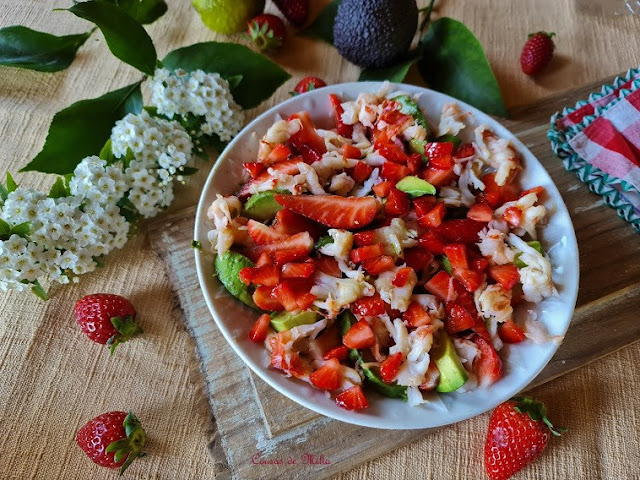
{"x": 427, "y": 16}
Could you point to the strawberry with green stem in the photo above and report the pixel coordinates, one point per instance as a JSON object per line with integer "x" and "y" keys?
{"x": 268, "y": 32}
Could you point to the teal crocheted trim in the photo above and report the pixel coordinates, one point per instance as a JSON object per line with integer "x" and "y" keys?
{"x": 597, "y": 180}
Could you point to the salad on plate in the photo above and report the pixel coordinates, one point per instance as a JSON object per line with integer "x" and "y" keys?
{"x": 384, "y": 254}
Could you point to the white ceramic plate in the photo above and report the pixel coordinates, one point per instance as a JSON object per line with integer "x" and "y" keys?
{"x": 522, "y": 362}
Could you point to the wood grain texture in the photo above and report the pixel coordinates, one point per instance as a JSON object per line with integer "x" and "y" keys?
{"x": 259, "y": 420}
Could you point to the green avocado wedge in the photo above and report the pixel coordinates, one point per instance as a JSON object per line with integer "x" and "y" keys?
{"x": 451, "y": 139}
{"x": 227, "y": 267}
{"x": 287, "y": 320}
{"x": 452, "y": 374}
{"x": 415, "y": 186}
{"x": 533, "y": 244}
{"x": 408, "y": 106}
{"x": 262, "y": 206}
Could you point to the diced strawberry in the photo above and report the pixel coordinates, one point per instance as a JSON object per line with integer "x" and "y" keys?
{"x": 349, "y": 151}
{"x": 361, "y": 172}
{"x": 392, "y": 152}
{"x": 437, "y": 177}
{"x": 290, "y": 167}
{"x": 299, "y": 244}
{"x": 479, "y": 264}
{"x": 332, "y": 210}
{"x": 513, "y": 216}
{"x": 393, "y": 172}
{"x": 465, "y": 150}
{"x": 435, "y": 216}
{"x": 487, "y": 366}
{"x": 390, "y": 366}
{"x": 505, "y": 275}
{"x": 398, "y": 203}
{"x": 509, "y": 332}
{"x": 375, "y": 266}
{"x": 460, "y": 231}
{"x": 292, "y": 294}
{"x": 308, "y": 154}
{"x": 352, "y": 399}
{"x": 539, "y": 190}
{"x": 457, "y": 255}
{"x": 261, "y": 234}
{"x": 340, "y": 352}
{"x": 402, "y": 276}
{"x": 497, "y": 195}
{"x": 439, "y": 155}
{"x": 254, "y": 168}
{"x": 328, "y": 265}
{"x": 361, "y": 254}
{"x": 417, "y": 258}
{"x": 280, "y": 153}
{"x": 327, "y": 377}
{"x": 382, "y": 189}
{"x": 457, "y": 319}
{"x": 260, "y": 329}
{"x": 245, "y": 275}
{"x": 439, "y": 285}
{"x": 307, "y": 137}
{"x": 480, "y": 212}
{"x": 290, "y": 255}
{"x": 305, "y": 301}
{"x": 343, "y": 129}
{"x": 290, "y": 223}
{"x": 471, "y": 279}
{"x": 265, "y": 301}
{"x": 359, "y": 336}
{"x": 416, "y": 315}
{"x": 289, "y": 362}
{"x": 432, "y": 242}
{"x": 298, "y": 270}
{"x": 267, "y": 275}
{"x": 364, "y": 238}
{"x": 414, "y": 164}
{"x": 264, "y": 259}
{"x": 424, "y": 204}
{"x": 394, "y": 119}
{"x": 369, "y": 306}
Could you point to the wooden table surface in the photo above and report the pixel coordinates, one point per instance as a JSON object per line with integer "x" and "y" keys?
{"x": 52, "y": 379}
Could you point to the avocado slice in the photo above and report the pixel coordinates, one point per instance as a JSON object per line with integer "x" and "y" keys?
{"x": 446, "y": 264}
{"x": 452, "y": 374}
{"x": 415, "y": 186}
{"x": 287, "y": 320}
{"x": 418, "y": 146}
{"x": 408, "y": 106}
{"x": 227, "y": 267}
{"x": 262, "y": 206}
{"x": 535, "y": 245}
{"x": 451, "y": 139}
{"x": 371, "y": 378}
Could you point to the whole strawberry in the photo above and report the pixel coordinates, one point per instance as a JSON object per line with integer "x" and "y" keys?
{"x": 296, "y": 11}
{"x": 268, "y": 32}
{"x": 537, "y": 52}
{"x": 309, "y": 83}
{"x": 107, "y": 319}
{"x": 519, "y": 432}
{"x": 113, "y": 439}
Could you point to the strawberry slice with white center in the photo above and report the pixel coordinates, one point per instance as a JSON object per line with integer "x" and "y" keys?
{"x": 298, "y": 242}
{"x": 327, "y": 377}
{"x": 352, "y": 399}
{"x": 332, "y": 210}
{"x": 262, "y": 234}
{"x": 289, "y": 167}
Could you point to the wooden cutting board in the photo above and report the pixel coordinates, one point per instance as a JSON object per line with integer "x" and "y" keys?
{"x": 257, "y": 424}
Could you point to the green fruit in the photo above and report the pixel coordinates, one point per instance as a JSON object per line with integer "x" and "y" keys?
{"x": 375, "y": 33}
{"x": 228, "y": 266}
{"x": 452, "y": 373}
{"x": 262, "y": 206}
{"x": 415, "y": 187}
{"x": 451, "y": 139}
{"x": 287, "y": 320}
{"x": 227, "y": 16}
{"x": 408, "y": 106}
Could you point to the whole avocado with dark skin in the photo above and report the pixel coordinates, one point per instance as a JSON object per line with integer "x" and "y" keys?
{"x": 375, "y": 33}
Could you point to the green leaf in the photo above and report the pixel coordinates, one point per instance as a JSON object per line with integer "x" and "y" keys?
{"x": 106, "y": 153}
{"x": 260, "y": 76}
{"x": 322, "y": 26}
{"x": 60, "y": 188}
{"x": 4, "y": 193}
{"x": 39, "y": 290}
{"x": 5, "y": 228}
{"x": 11, "y": 183}
{"x": 234, "y": 81}
{"x": 22, "y": 230}
{"x": 25, "y": 48}
{"x": 82, "y": 129}
{"x": 395, "y": 73}
{"x": 453, "y": 62}
{"x": 143, "y": 11}
{"x": 125, "y": 37}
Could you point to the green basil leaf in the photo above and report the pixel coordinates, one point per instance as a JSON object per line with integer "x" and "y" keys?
{"x": 453, "y": 62}
{"x": 82, "y": 129}
{"x": 60, "y": 188}
{"x": 11, "y": 183}
{"x": 125, "y": 37}
{"x": 260, "y": 76}
{"x": 143, "y": 11}
{"x": 395, "y": 73}
{"x": 25, "y": 48}
{"x": 322, "y": 26}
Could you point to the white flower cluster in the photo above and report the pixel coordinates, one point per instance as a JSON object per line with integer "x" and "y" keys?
{"x": 202, "y": 94}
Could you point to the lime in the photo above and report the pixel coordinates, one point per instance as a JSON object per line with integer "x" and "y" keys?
{"x": 227, "y": 16}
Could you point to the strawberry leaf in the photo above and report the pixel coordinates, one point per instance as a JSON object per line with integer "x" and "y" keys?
{"x": 322, "y": 26}
{"x": 395, "y": 73}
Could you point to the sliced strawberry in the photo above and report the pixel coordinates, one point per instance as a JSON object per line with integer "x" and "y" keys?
{"x": 435, "y": 216}
{"x": 245, "y": 275}
{"x": 288, "y": 362}
{"x": 361, "y": 172}
{"x": 343, "y": 129}
{"x": 290, "y": 167}
{"x": 457, "y": 319}
{"x": 465, "y": 150}
{"x": 505, "y": 275}
{"x": 254, "y": 168}
{"x": 513, "y": 216}
{"x": 487, "y": 366}
{"x": 471, "y": 279}
{"x": 417, "y": 258}
{"x": 480, "y": 212}
{"x": 439, "y": 285}
{"x": 267, "y": 275}
{"x": 359, "y": 336}
{"x": 497, "y": 195}
{"x": 416, "y": 316}
{"x": 375, "y": 266}
{"x": 369, "y": 306}
{"x": 390, "y": 366}
{"x": 424, "y": 204}
{"x": 437, "y": 177}
{"x": 432, "y": 242}
{"x": 280, "y": 153}
{"x": 261, "y": 234}
{"x": 382, "y": 189}
{"x": 509, "y": 332}
{"x": 393, "y": 172}
{"x": 293, "y": 295}
{"x": 328, "y": 265}
{"x": 394, "y": 119}
{"x": 327, "y": 377}
{"x": 352, "y": 399}
{"x": 290, "y": 223}
{"x": 361, "y": 254}
{"x": 349, "y": 151}
{"x": 307, "y": 137}
{"x": 392, "y": 152}
{"x": 265, "y": 301}
{"x": 340, "y": 352}
{"x": 479, "y": 264}
{"x": 398, "y": 203}
{"x": 457, "y": 255}
{"x": 260, "y": 329}
{"x": 402, "y": 276}
{"x": 539, "y": 190}
{"x": 293, "y": 248}
{"x": 364, "y": 238}
{"x": 439, "y": 155}
{"x": 298, "y": 270}
{"x": 460, "y": 231}
{"x": 332, "y": 210}
{"x": 414, "y": 164}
